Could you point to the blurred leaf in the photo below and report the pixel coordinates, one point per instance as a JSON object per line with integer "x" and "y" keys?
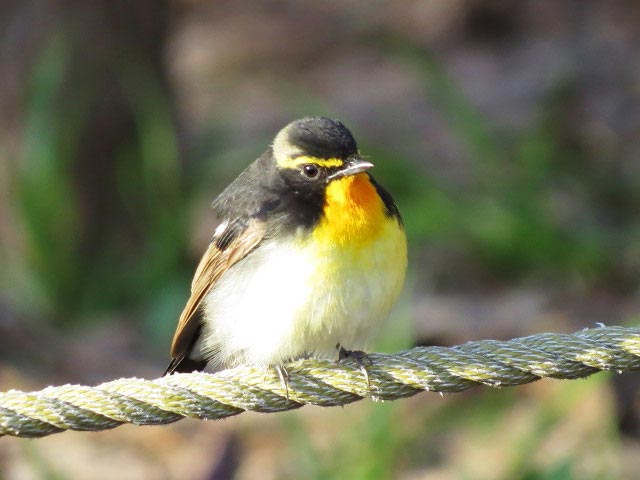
{"x": 48, "y": 206}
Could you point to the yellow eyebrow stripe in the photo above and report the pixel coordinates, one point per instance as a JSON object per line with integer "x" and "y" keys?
{"x": 321, "y": 162}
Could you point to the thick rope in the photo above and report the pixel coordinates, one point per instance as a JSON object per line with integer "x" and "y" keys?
{"x": 318, "y": 382}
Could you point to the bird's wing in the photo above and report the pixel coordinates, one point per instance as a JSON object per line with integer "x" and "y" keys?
{"x": 235, "y": 241}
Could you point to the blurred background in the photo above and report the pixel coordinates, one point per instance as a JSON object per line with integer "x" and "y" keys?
{"x": 507, "y": 132}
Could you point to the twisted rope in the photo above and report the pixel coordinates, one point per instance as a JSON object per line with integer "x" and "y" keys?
{"x": 318, "y": 382}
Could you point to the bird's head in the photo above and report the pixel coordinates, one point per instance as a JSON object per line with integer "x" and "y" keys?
{"x": 312, "y": 152}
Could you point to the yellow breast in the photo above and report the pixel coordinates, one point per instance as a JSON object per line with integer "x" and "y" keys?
{"x": 360, "y": 260}
{"x": 353, "y": 214}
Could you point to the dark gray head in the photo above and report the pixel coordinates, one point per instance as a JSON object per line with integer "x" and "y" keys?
{"x": 318, "y": 137}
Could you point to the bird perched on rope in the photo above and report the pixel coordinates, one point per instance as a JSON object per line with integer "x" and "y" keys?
{"x": 310, "y": 253}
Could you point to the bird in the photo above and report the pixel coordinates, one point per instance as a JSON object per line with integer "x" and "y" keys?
{"x": 309, "y": 255}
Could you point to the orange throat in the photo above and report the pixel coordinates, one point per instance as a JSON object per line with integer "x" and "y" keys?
{"x": 353, "y": 213}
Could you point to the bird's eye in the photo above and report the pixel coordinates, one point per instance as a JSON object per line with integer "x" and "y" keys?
{"x": 310, "y": 170}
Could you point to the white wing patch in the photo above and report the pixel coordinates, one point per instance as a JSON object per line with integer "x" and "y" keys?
{"x": 220, "y": 228}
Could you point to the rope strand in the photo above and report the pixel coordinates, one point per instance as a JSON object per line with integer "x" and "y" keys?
{"x": 318, "y": 382}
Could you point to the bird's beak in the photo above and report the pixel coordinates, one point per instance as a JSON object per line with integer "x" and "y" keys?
{"x": 352, "y": 167}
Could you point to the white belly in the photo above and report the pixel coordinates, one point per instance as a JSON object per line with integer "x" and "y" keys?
{"x": 286, "y": 301}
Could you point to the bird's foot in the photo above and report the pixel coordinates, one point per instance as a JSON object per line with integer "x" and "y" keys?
{"x": 361, "y": 358}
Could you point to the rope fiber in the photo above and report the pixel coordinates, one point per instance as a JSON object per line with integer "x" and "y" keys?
{"x": 318, "y": 382}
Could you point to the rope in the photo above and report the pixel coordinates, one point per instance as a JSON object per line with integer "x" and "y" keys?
{"x": 318, "y": 382}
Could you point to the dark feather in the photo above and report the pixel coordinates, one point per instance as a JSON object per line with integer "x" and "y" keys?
{"x": 391, "y": 208}
{"x": 185, "y": 365}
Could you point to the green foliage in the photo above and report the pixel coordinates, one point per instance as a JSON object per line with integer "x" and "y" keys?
{"x": 78, "y": 264}
{"x": 49, "y": 209}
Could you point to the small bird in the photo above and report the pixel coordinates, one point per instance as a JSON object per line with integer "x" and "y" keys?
{"x": 310, "y": 254}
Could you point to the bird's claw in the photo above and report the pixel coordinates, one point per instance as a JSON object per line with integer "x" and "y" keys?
{"x": 361, "y": 358}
